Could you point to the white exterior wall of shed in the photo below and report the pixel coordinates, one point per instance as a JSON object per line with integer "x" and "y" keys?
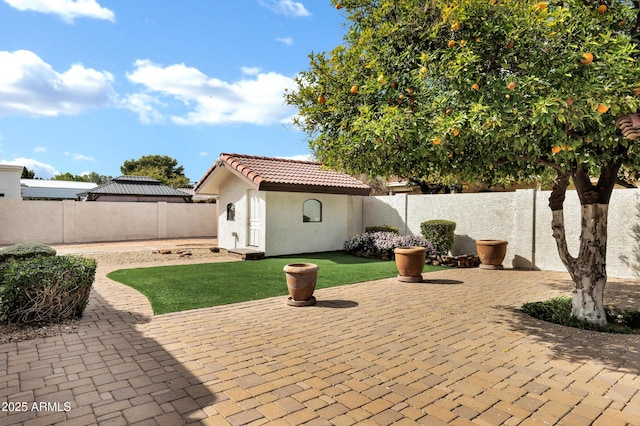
{"x": 233, "y": 233}
{"x": 286, "y": 233}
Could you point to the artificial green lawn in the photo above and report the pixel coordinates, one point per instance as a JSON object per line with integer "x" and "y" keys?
{"x": 183, "y": 287}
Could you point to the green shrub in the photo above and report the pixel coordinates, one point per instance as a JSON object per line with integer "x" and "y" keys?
{"x": 558, "y": 311}
{"x": 46, "y": 289}
{"x": 440, "y": 233}
{"x": 382, "y": 228}
{"x": 24, "y": 251}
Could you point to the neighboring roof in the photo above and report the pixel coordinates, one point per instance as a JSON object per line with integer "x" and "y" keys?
{"x": 198, "y": 197}
{"x": 53, "y": 189}
{"x": 279, "y": 174}
{"x": 140, "y": 186}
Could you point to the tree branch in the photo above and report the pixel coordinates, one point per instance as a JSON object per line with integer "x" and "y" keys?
{"x": 556, "y": 202}
{"x": 625, "y": 183}
{"x": 556, "y": 199}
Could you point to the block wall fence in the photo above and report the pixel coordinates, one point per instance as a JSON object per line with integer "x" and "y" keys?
{"x": 53, "y": 222}
{"x": 523, "y": 218}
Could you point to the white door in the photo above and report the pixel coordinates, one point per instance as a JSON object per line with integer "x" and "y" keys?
{"x": 254, "y": 218}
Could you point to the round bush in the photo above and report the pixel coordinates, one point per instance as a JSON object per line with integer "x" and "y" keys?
{"x": 440, "y": 233}
{"x": 46, "y": 289}
{"x": 24, "y": 251}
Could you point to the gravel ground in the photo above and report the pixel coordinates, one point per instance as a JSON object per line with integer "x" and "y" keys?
{"x": 17, "y": 333}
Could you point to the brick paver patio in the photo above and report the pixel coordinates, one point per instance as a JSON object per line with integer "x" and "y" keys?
{"x": 453, "y": 350}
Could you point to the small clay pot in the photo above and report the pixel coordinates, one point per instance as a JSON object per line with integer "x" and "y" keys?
{"x": 301, "y": 282}
{"x": 410, "y": 263}
{"x": 491, "y": 253}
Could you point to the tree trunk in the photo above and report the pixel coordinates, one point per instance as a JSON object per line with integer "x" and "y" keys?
{"x": 588, "y": 270}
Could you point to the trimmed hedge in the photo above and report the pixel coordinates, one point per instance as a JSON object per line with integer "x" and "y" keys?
{"x": 24, "y": 251}
{"x": 382, "y": 228}
{"x": 440, "y": 233}
{"x": 46, "y": 289}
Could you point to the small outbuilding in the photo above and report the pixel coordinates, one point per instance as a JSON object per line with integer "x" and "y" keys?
{"x": 136, "y": 189}
{"x": 40, "y": 189}
{"x": 280, "y": 206}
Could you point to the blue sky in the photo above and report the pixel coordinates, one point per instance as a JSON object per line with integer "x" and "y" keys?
{"x": 88, "y": 84}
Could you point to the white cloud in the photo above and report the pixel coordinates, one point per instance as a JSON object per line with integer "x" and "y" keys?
{"x": 40, "y": 149}
{"x": 285, "y": 40}
{"x": 285, "y": 7}
{"x": 145, "y": 106}
{"x": 40, "y": 169}
{"x": 203, "y": 154}
{"x": 300, "y": 157}
{"x": 255, "y": 99}
{"x": 30, "y": 86}
{"x": 68, "y": 10}
{"x": 81, "y": 157}
{"x": 250, "y": 70}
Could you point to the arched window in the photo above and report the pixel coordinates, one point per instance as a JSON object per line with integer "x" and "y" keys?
{"x": 231, "y": 212}
{"x": 312, "y": 211}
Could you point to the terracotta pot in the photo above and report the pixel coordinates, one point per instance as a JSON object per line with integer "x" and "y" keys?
{"x": 491, "y": 253}
{"x": 301, "y": 282}
{"x": 410, "y": 263}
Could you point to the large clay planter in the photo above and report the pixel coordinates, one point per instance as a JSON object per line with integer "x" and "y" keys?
{"x": 410, "y": 263}
{"x": 491, "y": 253}
{"x": 301, "y": 282}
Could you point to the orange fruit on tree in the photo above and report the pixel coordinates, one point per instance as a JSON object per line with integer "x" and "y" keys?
{"x": 602, "y": 9}
{"x": 636, "y": 92}
{"x": 436, "y": 141}
{"x": 542, "y": 5}
{"x": 555, "y": 149}
{"x": 455, "y": 26}
{"x": 452, "y": 43}
{"x": 354, "y": 89}
{"x": 475, "y": 86}
{"x": 602, "y": 108}
{"x": 455, "y": 132}
{"x": 322, "y": 99}
{"x": 587, "y": 58}
{"x": 569, "y": 101}
{"x": 339, "y": 6}
{"x": 511, "y": 85}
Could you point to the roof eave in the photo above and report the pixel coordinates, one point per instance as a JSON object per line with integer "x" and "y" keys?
{"x": 314, "y": 189}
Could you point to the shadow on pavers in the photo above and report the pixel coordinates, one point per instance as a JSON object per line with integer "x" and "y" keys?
{"x": 615, "y": 352}
{"x": 114, "y": 374}
{"x": 336, "y": 304}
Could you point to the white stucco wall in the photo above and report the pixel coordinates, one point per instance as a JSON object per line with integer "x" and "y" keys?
{"x": 10, "y": 182}
{"x": 55, "y": 222}
{"x": 523, "y": 218}
{"x": 354, "y": 215}
{"x": 24, "y": 221}
{"x": 623, "y": 214}
{"x": 233, "y": 234}
{"x": 286, "y": 233}
{"x": 385, "y": 210}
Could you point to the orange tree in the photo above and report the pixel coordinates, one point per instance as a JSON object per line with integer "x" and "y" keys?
{"x": 485, "y": 90}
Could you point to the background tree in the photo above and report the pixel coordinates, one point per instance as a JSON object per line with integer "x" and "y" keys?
{"x": 161, "y": 167}
{"x": 27, "y": 174}
{"x": 90, "y": 177}
{"x": 489, "y": 91}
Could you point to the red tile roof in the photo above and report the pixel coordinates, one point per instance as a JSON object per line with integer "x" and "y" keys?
{"x": 278, "y": 174}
